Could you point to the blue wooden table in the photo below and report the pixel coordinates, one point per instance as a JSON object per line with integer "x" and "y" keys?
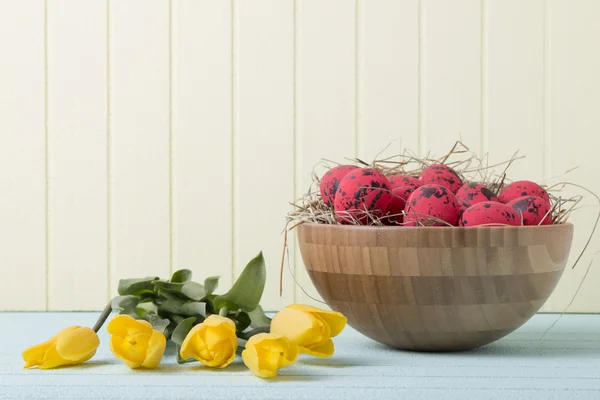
{"x": 564, "y": 364}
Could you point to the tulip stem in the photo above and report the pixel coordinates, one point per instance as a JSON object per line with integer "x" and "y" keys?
{"x": 224, "y": 311}
{"x": 103, "y": 317}
{"x": 249, "y": 334}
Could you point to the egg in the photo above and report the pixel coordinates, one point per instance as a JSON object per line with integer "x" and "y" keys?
{"x": 440, "y": 174}
{"x": 489, "y": 213}
{"x": 520, "y": 189}
{"x": 331, "y": 180}
{"x": 431, "y": 201}
{"x": 398, "y": 202}
{"x": 534, "y": 210}
{"x": 473, "y": 193}
{"x": 404, "y": 181}
{"x": 362, "y": 189}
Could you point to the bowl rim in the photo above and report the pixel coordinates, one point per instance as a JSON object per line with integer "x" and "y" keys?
{"x": 566, "y": 225}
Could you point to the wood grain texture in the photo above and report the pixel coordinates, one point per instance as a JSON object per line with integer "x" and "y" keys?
{"x": 325, "y": 96}
{"x": 388, "y": 77}
{"x": 201, "y": 147}
{"x": 450, "y": 89}
{"x": 139, "y": 139}
{"x": 513, "y": 85}
{"x": 264, "y": 136}
{"x": 77, "y": 155}
{"x": 435, "y": 289}
{"x": 22, "y": 156}
{"x": 573, "y": 123}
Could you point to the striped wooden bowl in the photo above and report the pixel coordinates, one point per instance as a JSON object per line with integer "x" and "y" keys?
{"x": 434, "y": 288}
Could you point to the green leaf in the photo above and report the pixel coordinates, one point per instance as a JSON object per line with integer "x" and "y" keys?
{"x": 247, "y": 290}
{"x": 182, "y": 276}
{"x": 188, "y": 290}
{"x": 158, "y": 323}
{"x": 167, "y": 295}
{"x": 242, "y": 321}
{"x": 259, "y": 318}
{"x": 179, "y": 334}
{"x": 136, "y": 286}
{"x": 182, "y": 329}
{"x": 210, "y": 284}
{"x": 146, "y": 307}
{"x": 193, "y": 291}
{"x": 125, "y": 304}
{"x": 182, "y": 307}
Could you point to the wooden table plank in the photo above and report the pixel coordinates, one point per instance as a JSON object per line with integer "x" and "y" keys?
{"x": 564, "y": 364}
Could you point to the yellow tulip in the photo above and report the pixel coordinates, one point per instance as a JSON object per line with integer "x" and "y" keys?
{"x": 309, "y": 327}
{"x": 135, "y": 342}
{"x": 265, "y": 353}
{"x": 72, "y": 345}
{"x": 212, "y": 342}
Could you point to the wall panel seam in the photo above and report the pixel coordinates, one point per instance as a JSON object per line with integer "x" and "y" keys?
{"x": 46, "y": 163}
{"x": 232, "y": 137}
{"x": 294, "y": 142}
{"x": 483, "y": 82}
{"x": 421, "y": 140}
{"x": 357, "y": 77}
{"x": 170, "y": 137}
{"x": 546, "y": 91}
{"x": 108, "y": 158}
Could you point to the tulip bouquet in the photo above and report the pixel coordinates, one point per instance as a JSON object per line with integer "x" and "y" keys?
{"x": 206, "y": 327}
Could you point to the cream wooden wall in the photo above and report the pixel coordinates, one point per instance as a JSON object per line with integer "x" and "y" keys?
{"x": 142, "y": 136}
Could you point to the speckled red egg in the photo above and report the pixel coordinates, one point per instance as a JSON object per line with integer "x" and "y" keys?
{"x": 400, "y": 195}
{"x": 473, "y": 193}
{"x": 489, "y": 213}
{"x": 440, "y": 174}
{"x": 431, "y": 201}
{"x": 404, "y": 181}
{"x": 362, "y": 189}
{"x": 534, "y": 209}
{"x": 520, "y": 189}
{"x": 331, "y": 180}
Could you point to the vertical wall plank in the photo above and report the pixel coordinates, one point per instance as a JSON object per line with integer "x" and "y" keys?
{"x": 451, "y": 75}
{"x": 264, "y": 135}
{"x": 77, "y": 155}
{"x": 22, "y": 155}
{"x": 139, "y": 139}
{"x": 325, "y": 95}
{"x": 202, "y": 225}
{"x": 573, "y": 123}
{"x": 388, "y": 77}
{"x": 514, "y": 85}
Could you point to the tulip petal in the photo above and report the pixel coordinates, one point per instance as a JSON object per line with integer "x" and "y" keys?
{"x": 293, "y": 324}
{"x": 52, "y": 359}
{"x": 188, "y": 345}
{"x": 323, "y": 350}
{"x": 291, "y": 355}
{"x": 116, "y": 346}
{"x": 250, "y": 358}
{"x": 77, "y": 344}
{"x": 156, "y": 349}
{"x": 125, "y": 325}
{"x": 336, "y": 320}
{"x": 34, "y": 355}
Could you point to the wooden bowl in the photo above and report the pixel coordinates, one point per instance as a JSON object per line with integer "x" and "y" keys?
{"x": 435, "y": 288}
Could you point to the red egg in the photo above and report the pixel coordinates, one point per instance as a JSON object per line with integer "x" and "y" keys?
{"x": 404, "y": 181}
{"x": 473, "y": 193}
{"x": 520, "y": 189}
{"x": 535, "y": 210}
{"x": 440, "y": 174}
{"x": 489, "y": 213}
{"x": 400, "y": 195}
{"x": 331, "y": 181}
{"x": 431, "y": 201}
{"x": 362, "y": 189}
